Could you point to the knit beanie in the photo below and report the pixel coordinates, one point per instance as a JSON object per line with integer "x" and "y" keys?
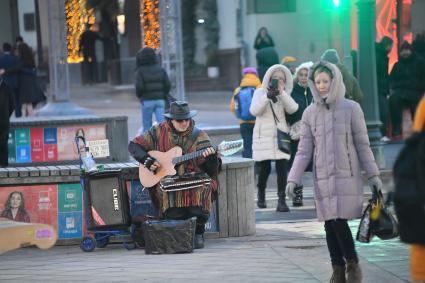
{"x": 250, "y": 70}
{"x": 330, "y": 55}
{"x": 288, "y": 59}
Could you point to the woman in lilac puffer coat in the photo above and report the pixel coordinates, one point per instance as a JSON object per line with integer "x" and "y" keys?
{"x": 334, "y": 132}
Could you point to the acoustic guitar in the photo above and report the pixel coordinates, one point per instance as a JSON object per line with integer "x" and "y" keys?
{"x": 172, "y": 157}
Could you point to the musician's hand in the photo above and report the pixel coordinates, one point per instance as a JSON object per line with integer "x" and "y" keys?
{"x": 151, "y": 164}
{"x": 208, "y": 151}
{"x": 155, "y": 166}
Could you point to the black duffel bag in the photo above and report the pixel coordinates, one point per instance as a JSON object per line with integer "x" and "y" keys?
{"x": 169, "y": 236}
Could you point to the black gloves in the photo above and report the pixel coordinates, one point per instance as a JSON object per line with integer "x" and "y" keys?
{"x": 148, "y": 163}
{"x": 272, "y": 94}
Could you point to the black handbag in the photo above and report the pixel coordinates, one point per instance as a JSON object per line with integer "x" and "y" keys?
{"x": 377, "y": 220}
{"x": 384, "y": 225}
{"x": 283, "y": 138}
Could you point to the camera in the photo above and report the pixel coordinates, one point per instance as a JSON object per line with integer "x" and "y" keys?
{"x": 273, "y": 90}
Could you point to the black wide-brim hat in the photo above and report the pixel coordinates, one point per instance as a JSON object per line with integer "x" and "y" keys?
{"x": 179, "y": 110}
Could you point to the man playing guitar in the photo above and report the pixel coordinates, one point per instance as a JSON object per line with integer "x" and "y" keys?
{"x": 179, "y": 130}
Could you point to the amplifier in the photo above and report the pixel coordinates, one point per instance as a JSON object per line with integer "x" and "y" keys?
{"x": 106, "y": 200}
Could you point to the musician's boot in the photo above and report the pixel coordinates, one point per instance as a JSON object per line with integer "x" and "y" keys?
{"x": 199, "y": 241}
{"x": 261, "y": 198}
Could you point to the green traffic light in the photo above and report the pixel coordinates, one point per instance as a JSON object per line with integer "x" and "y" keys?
{"x": 336, "y": 3}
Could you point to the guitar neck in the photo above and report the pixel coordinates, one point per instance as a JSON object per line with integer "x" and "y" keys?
{"x": 189, "y": 156}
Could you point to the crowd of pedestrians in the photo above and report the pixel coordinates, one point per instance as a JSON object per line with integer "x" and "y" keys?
{"x": 319, "y": 106}
{"x": 20, "y": 91}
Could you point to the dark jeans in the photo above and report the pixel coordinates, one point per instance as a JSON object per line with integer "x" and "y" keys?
{"x": 383, "y": 112}
{"x": 398, "y": 101}
{"x": 183, "y": 213}
{"x": 264, "y": 172}
{"x": 340, "y": 241}
{"x": 246, "y": 133}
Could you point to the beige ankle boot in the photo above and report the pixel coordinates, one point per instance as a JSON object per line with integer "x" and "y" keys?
{"x": 338, "y": 275}
{"x": 354, "y": 273}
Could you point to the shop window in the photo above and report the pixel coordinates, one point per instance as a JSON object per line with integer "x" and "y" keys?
{"x": 271, "y": 6}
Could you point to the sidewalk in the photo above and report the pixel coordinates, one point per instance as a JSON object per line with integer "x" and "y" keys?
{"x": 288, "y": 247}
{"x": 279, "y": 252}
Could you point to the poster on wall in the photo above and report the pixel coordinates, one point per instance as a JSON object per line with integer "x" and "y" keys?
{"x": 37, "y": 144}
{"x": 35, "y": 204}
{"x": 22, "y": 142}
{"x": 70, "y": 211}
{"x": 66, "y": 139}
{"x": 50, "y": 144}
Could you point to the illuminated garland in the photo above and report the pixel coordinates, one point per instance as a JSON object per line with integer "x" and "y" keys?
{"x": 76, "y": 18}
{"x": 149, "y": 17}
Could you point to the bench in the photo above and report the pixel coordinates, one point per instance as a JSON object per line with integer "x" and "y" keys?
{"x": 53, "y": 195}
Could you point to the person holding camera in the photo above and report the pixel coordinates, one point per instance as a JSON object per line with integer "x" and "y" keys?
{"x": 272, "y": 99}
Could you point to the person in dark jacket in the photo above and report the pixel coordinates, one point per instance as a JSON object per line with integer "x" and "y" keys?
{"x": 266, "y": 57}
{"x": 352, "y": 86}
{"x": 303, "y": 97}
{"x": 6, "y": 109}
{"x": 152, "y": 86}
{"x": 407, "y": 83}
{"x": 263, "y": 39}
{"x": 9, "y": 64}
{"x": 26, "y": 76}
{"x": 418, "y": 45}
{"x": 382, "y": 49}
{"x": 88, "y": 48}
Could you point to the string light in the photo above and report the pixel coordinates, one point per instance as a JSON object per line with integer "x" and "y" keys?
{"x": 77, "y": 16}
{"x": 149, "y": 20}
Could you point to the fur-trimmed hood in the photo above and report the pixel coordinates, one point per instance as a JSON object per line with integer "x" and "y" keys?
{"x": 337, "y": 89}
{"x": 289, "y": 84}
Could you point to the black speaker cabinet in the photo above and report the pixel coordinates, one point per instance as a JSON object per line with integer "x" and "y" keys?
{"x": 107, "y": 205}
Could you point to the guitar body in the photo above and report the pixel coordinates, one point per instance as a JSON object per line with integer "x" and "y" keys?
{"x": 148, "y": 178}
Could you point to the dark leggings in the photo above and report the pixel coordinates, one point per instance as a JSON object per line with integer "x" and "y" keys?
{"x": 282, "y": 175}
{"x": 340, "y": 241}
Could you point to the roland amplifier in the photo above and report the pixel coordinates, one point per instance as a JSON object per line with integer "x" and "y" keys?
{"x": 106, "y": 200}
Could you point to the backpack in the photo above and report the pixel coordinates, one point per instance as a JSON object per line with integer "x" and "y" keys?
{"x": 242, "y": 103}
{"x": 409, "y": 194}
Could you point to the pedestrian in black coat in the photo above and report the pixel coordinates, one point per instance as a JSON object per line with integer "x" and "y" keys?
{"x": 382, "y": 49}
{"x": 10, "y": 65}
{"x": 152, "y": 86}
{"x": 303, "y": 97}
{"x": 407, "y": 83}
{"x": 6, "y": 109}
{"x": 88, "y": 48}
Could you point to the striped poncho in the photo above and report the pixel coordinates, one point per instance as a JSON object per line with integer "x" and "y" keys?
{"x": 163, "y": 137}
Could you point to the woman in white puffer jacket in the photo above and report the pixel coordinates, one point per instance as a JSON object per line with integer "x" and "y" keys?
{"x": 264, "y": 143}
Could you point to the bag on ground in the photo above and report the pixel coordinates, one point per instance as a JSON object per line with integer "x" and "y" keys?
{"x": 169, "y": 236}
